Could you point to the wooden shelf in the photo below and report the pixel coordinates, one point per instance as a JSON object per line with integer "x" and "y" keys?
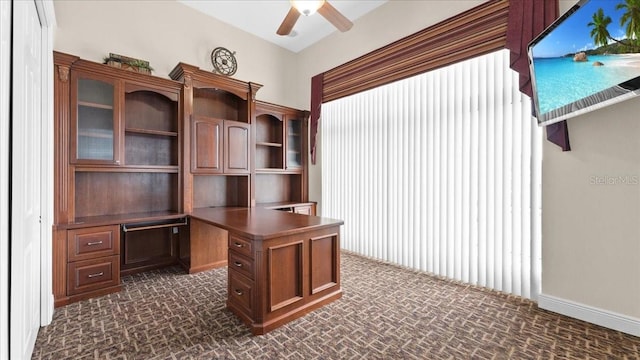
{"x": 172, "y": 169}
{"x": 151, "y": 132}
{"x": 96, "y": 134}
{"x": 95, "y": 105}
{"x": 279, "y": 171}
{"x": 269, "y": 170}
{"x": 270, "y": 144}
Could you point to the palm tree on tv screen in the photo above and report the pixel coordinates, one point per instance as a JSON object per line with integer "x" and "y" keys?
{"x": 599, "y": 31}
{"x": 630, "y": 19}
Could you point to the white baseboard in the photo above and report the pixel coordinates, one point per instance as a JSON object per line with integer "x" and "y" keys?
{"x": 608, "y": 319}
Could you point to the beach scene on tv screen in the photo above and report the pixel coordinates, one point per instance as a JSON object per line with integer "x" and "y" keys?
{"x": 595, "y": 48}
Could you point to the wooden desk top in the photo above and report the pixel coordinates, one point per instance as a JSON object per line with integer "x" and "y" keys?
{"x": 261, "y": 224}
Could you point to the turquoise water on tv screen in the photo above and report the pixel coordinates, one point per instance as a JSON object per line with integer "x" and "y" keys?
{"x": 561, "y": 81}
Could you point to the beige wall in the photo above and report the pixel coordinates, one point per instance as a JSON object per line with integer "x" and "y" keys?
{"x": 591, "y": 212}
{"x": 591, "y": 233}
{"x": 166, "y": 33}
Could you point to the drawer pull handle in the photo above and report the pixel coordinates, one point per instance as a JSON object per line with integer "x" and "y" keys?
{"x": 95, "y": 275}
{"x": 238, "y": 292}
{"x": 237, "y": 244}
{"x": 238, "y": 264}
{"x": 94, "y": 243}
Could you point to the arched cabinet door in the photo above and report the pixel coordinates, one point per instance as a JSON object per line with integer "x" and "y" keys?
{"x": 236, "y": 154}
{"x": 207, "y": 145}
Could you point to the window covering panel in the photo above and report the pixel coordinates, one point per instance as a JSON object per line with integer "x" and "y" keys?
{"x": 439, "y": 172}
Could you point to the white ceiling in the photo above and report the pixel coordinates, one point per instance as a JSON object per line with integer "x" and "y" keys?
{"x": 262, "y": 18}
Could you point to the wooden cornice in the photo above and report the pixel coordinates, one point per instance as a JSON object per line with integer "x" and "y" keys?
{"x": 474, "y": 32}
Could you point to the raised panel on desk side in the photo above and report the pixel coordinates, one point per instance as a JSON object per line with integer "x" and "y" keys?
{"x": 286, "y": 269}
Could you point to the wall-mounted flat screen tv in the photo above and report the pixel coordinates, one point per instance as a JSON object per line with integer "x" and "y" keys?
{"x": 587, "y": 59}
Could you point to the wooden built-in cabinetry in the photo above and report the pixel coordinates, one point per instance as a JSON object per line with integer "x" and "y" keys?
{"x": 280, "y": 167}
{"x": 137, "y": 155}
{"x": 217, "y": 171}
{"x": 117, "y": 164}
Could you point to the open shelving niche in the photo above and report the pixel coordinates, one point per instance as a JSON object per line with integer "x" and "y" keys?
{"x": 280, "y": 174}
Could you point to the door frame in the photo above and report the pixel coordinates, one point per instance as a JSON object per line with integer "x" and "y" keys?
{"x": 47, "y": 15}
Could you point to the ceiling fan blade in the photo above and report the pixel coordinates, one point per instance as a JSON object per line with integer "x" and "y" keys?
{"x": 335, "y": 17}
{"x": 288, "y": 22}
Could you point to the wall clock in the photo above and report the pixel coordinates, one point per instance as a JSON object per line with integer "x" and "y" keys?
{"x": 224, "y": 61}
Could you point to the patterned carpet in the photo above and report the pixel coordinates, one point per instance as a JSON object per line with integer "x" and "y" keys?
{"x": 386, "y": 312}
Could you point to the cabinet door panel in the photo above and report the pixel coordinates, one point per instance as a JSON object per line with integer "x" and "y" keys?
{"x": 207, "y": 147}
{"x": 237, "y": 147}
{"x": 95, "y": 130}
{"x": 294, "y": 143}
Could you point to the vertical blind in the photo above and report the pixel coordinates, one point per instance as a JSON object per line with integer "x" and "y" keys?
{"x": 441, "y": 173}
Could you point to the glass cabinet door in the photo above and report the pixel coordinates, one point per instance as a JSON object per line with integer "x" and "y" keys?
{"x": 294, "y": 143}
{"x": 96, "y": 128}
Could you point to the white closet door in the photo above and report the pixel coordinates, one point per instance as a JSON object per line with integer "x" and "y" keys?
{"x": 25, "y": 179}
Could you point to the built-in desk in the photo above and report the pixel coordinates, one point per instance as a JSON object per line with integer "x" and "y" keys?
{"x": 281, "y": 265}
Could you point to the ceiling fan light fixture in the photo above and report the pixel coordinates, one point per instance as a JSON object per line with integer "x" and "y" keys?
{"x": 307, "y": 7}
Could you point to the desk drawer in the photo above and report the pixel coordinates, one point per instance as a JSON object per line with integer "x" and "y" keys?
{"x": 304, "y": 210}
{"x": 93, "y": 242}
{"x": 88, "y": 275}
{"x": 240, "y": 290}
{"x": 241, "y": 264}
{"x": 240, "y": 245}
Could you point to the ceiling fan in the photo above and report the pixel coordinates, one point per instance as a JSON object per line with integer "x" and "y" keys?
{"x": 308, "y": 7}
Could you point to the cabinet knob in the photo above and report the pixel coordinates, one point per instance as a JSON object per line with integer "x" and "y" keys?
{"x": 94, "y": 243}
{"x": 95, "y": 275}
{"x": 238, "y": 292}
{"x": 237, "y": 244}
{"x": 238, "y": 264}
